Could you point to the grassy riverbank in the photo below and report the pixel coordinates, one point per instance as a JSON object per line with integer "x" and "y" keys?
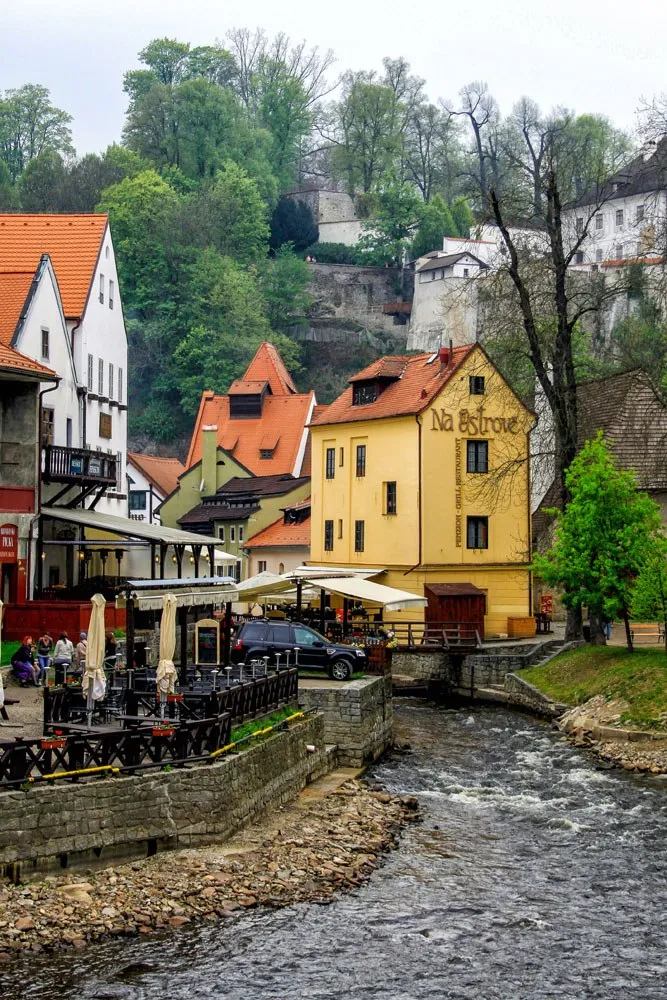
{"x": 639, "y": 679}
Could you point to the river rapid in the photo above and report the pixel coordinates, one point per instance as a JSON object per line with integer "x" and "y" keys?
{"x": 535, "y": 875}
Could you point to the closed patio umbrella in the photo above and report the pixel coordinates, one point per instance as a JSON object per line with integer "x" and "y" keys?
{"x": 166, "y": 671}
{"x": 94, "y": 683}
{"x": 2, "y": 690}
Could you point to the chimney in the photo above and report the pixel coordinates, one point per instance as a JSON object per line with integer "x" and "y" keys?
{"x": 209, "y": 458}
{"x": 444, "y": 355}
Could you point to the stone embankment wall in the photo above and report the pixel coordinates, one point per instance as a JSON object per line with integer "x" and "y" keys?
{"x": 422, "y": 666}
{"x": 358, "y": 717}
{"x": 54, "y": 826}
{"x": 348, "y": 301}
{"x": 526, "y": 695}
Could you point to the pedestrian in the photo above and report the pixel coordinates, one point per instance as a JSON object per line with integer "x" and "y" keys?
{"x": 606, "y": 626}
{"x": 110, "y": 647}
{"x": 63, "y": 655}
{"x": 44, "y": 647}
{"x": 23, "y": 663}
{"x": 81, "y": 652}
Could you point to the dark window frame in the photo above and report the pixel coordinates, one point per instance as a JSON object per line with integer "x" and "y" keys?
{"x": 360, "y": 463}
{"x": 330, "y": 463}
{"x": 136, "y": 495}
{"x": 477, "y": 385}
{"x": 364, "y": 393}
{"x": 477, "y": 457}
{"x": 328, "y": 536}
{"x": 477, "y": 532}
{"x": 45, "y": 343}
{"x": 359, "y": 536}
{"x": 390, "y": 498}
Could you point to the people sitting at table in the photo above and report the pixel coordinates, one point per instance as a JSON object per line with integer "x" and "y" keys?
{"x": 63, "y": 655}
{"x": 23, "y": 663}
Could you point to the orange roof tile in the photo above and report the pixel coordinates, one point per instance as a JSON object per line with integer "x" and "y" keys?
{"x": 245, "y": 387}
{"x": 163, "y": 473}
{"x": 279, "y": 534}
{"x": 307, "y": 457}
{"x": 14, "y": 288}
{"x": 72, "y": 242}
{"x": 420, "y": 382}
{"x": 391, "y": 366}
{"x": 14, "y": 361}
{"x": 268, "y": 366}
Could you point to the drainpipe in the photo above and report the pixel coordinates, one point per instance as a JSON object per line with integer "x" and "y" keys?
{"x": 419, "y": 493}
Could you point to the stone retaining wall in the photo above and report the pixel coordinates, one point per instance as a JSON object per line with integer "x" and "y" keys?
{"x": 358, "y": 717}
{"x": 526, "y": 695}
{"x": 49, "y": 826}
{"x": 423, "y": 666}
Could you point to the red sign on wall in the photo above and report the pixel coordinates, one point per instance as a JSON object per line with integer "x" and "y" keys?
{"x": 546, "y": 604}
{"x": 8, "y": 542}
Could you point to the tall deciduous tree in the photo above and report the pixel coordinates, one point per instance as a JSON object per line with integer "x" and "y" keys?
{"x": 366, "y": 136}
{"x": 649, "y": 595}
{"x": 603, "y": 537}
{"x": 435, "y": 222}
{"x": 284, "y": 280}
{"x": 29, "y": 125}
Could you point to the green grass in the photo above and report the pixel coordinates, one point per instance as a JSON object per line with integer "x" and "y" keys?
{"x": 8, "y": 650}
{"x": 254, "y": 725}
{"x": 639, "y": 678}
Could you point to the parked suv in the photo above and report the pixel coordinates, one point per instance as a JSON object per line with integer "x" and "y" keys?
{"x": 266, "y": 638}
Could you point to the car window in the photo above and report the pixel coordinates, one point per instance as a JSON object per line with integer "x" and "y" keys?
{"x": 279, "y": 633}
{"x": 305, "y": 637}
{"x": 253, "y": 631}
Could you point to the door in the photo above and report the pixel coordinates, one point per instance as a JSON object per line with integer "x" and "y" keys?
{"x": 69, "y": 432}
{"x": 312, "y": 648}
{"x": 460, "y": 607}
{"x": 279, "y": 640}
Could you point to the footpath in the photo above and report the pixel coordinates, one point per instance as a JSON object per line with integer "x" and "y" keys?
{"x": 327, "y": 841}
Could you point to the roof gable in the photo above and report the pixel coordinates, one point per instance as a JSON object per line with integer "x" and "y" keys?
{"x": 14, "y": 288}
{"x": 15, "y": 362}
{"x": 268, "y": 366}
{"x": 163, "y": 473}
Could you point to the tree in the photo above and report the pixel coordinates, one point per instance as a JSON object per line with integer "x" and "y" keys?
{"x": 392, "y": 229}
{"x": 462, "y": 216}
{"x": 29, "y": 125}
{"x": 603, "y": 537}
{"x": 649, "y": 595}
{"x": 41, "y": 185}
{"x": 435, "y": 222}
{"x": 293, "y": 222}
{"x": 366, "y": 135}
{"x": 9, "y": 196}
{"x": 284, "y": 280}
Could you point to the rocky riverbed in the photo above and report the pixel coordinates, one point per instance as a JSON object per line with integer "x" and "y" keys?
{"x": 597, "y": 726}
{"x": 309, "y": 851}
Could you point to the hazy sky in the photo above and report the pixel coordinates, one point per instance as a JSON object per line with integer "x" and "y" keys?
{"x": 586, "y": 56}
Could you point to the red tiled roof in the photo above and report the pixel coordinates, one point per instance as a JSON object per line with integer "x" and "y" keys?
{"x": 279, "y": 533}
{"x": 307, "y": 457}
{"x": 72, "y": 242}
{"x": 11, "y": 360}
{"x": 163, "y": 473}
{"x": 14, "y": 288}
{"x": 391, "y": 366}
{"x": 420, "y": 383}
{"x": 268, "y": 366}
{"x": 245, "y": 387}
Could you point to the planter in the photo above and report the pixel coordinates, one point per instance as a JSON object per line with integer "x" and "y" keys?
{"x": 163, "y": 730}
{"x": 53, "y": 744}
{"x": 174, "y": 698}
{"x": 521, "y": 628}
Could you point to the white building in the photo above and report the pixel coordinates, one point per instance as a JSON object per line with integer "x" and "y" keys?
{"x": 444, "y": 305}
{"x": 151, "y": 479}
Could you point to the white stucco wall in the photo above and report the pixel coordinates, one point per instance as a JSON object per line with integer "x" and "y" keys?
{"x": 287, "y": 556}
{"x": 348, "y": 231}
{"x": 609, "y": 239}
{"x": 445, "y": 308}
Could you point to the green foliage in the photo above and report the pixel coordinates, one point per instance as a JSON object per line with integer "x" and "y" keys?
{"x": 7, "y": 650}
{"x": 29, "y": 125}
{"x": 293, "y": 222}
{"x": 40, "y": 186}
{"x": 435, "y": 222}
{"x": 368, "y": 118}
{"x": 284, "y": 282}
{"x": 391, "y": 231}
{"x": 604, "y": 535}
{"x": 462, "y": 216}
{"x": 649, "y": 594}
{"x": 332, "y": 253}
{"x": 227, "y": 214}
{"x": 9, "y": 196}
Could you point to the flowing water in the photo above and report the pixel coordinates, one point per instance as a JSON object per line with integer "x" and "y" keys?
{"x": 534, "y": 875}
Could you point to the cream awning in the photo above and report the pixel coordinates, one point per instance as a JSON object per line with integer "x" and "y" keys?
{"x": 388, "y": 598}
{"x": 147, "y": 594}
{"x": 313, "y": 572}
{"x": 128, "y": 528}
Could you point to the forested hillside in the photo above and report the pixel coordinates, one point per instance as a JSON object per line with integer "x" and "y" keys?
{"x": 211, "y": 257}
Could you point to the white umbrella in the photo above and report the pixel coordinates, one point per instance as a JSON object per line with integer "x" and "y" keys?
{"x": 166, "y": 671}
{"x": 2, "y": 690}
{"x": 94, "y": 682}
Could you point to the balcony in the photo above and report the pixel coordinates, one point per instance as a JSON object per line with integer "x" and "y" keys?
{"x": 78, "y": 466}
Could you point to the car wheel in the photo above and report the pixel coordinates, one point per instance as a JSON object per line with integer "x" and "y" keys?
{"x": 340, "y": 670}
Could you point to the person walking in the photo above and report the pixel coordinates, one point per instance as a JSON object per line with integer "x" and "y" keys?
{"x": 23, "y": 663}
{"x": 44, "y": 647}
{"x": 63, "y": 655}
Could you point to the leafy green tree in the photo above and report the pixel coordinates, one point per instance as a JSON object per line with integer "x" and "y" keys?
{"x": 462, "y": 216}
{"x": 649, "y": 595}
{"x": 392, "y": 230}
{"x": 435, "y": 222}
{"x": 284, "y": 280}
{"x": 603, "y": 537}
{"x": 366, "y": 132}
{"x": 9, "y": 196}
{"x": 293, "y": 222}
{"x": 29, "y": 125}
{"x": 41, "y": 185}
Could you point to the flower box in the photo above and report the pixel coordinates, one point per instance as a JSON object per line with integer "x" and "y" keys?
{"x": 53, "y": 744}
{"x": 174, "y": 697}
{"x": 163, "y": 730}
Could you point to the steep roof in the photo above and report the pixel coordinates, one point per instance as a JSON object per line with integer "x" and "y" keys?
{"x": 14, "y": 288}
{"x": 260, "y": 486}
{"x": 645, "y": 173}
{"x": 268, "y": 366}
{"x": 73, "y": 243}
{"x": 279, "y": 429}
{"x": 163, "y": 473}
{"x": 239, "y": 498}
{"x": 446, "y": 260}
{"x": 281, "y": 533}
{"x": 14, "y": 361}
{"x": 421, "y": 380}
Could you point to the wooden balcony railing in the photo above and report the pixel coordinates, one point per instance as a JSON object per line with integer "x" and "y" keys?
{"x": 78, "y": 465}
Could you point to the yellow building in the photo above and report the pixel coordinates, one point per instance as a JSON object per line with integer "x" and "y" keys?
{"x": 421, "y": 468}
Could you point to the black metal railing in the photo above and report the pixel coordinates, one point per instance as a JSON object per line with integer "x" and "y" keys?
{"x": 76, "y": 465}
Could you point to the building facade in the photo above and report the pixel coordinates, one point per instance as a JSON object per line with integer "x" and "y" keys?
{"x": 421, "y": 468}
{"x": 284, "y": 544}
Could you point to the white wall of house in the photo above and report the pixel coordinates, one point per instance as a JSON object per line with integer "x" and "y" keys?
{"x": 444, "y": 306}
{"x": 279, "y": 559}
{"x": 621, "y": 228}
{"x": 146, "y": 497}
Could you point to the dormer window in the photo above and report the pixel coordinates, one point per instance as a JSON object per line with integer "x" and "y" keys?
{"x": 266, "y": 453}
{"x": 364, "y": 393}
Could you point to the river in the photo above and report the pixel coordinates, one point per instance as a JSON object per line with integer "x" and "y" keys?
{"x": 534, "y": 875}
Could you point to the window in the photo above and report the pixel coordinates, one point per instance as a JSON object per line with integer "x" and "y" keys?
{"x": 359, "y": 529}
{"x": 478, "y": 532}
{"x": 240, "y": 532}
{"x": 477, "y": 456}
{"x": 639, "y": 214}
{"x": 598, "y": 255}
{"x": 328, "y": 536}
{"x": 304, "y": 636}
{"x": 45, "y": 344}
{"x": 120, "y": 485}
{"x": 111, "y": 291}
{"x": 110, "y": 381}
{"x": 120, "y": 385}
{"x": 261, "y": 566}
{"x": 361, "y": 461}
{"x": 364, "y": 393}
{"x": 466, "y": 272}
{"x": 579, "y": 258}
{"x": 47, "y": 427}
{"x": 221, "y": 533}
{"x": 105, "y": 425}
{"x": 100, "y": 377}
{"x": 236, "y": 572}
{"x": 340, "y": 527}
{"x": 599, "y": 221}
{"x": 102, "y": 289}
{"x": 91, "y": 372}
{"x": 619, "y": 217}
{"x": 341, "y": 457}
{"x": 281, "y": 568}
{"x": 232, "y": 532}
{"x": 580, "y": 225}
{"x": 137, "y": 499}
{"x": 331, "y": 463}
{"x": 477, "y": 385}
{"x": 266, "y": 452}
{"x": 619, "y": 251}
{"x": 390, "y": 498}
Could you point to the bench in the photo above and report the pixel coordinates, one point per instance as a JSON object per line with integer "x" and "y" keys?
{"x": 647, "y": 630}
